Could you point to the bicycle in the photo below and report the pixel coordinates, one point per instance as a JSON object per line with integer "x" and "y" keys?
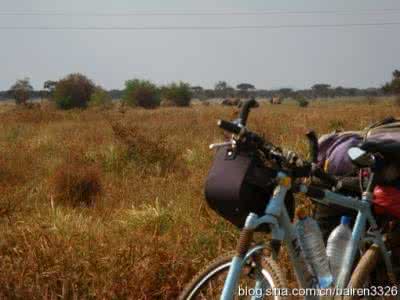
{"x": 256, "y": 265}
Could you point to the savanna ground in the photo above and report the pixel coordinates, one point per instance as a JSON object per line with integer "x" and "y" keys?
{"x": 147, "y": 229}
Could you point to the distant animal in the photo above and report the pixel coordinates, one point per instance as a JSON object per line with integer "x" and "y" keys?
{"x": 256, "y": 104}
{"x": 275, "y": 100}
{"x": 231, "y": 102}
{"x": 32, "y": 105}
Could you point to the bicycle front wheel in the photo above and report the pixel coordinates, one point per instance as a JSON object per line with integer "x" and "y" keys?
{"x": 258, "y": 280}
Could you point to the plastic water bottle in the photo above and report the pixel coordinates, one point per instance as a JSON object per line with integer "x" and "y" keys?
{"x": 313, "y": 247}
{"x": 337, "y": 243}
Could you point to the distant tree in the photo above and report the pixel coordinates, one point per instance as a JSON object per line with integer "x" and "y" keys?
{"x": 244, "y": 88}
{"x": 141, "y": 93}
{"x": 196, "y": 89}
{"x": 371, "y": 92}
{"x": 263, "y": 93}
{"x": 221, "y": 85}
{"x": 50, "y": 85}
{"x": 352, "y": 92}
{"x": 197, "y": 92}
{"x": 177, "y": 94}
{"x": 386, "y": 88}
{"x": 116, "y": 94}
{"x": 321, "y": 89}
{"x": 209, "y": 93}
{"x": 393, "y": 87}
{"x": 230, "y": 92}
{"x": 222, "y": 89}
{"x": 21, "y": 91}
{"x": 339, "y": 91}
{"x": 48, "y": 88}
{"x": 321, "y": 86}
{"x": 285, "y": 92}
{"x": 73, "y": 91}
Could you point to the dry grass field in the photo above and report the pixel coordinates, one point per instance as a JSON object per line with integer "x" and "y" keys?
{"x": 145, "y": 228}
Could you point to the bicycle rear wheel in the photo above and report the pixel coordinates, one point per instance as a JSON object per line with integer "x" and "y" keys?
{"x": 209, "y": 282}
{"x": 370, "y": 274}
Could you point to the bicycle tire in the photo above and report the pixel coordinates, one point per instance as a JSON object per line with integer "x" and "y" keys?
{"x": 222, "y": 263}
{"x": 360, "y": 278}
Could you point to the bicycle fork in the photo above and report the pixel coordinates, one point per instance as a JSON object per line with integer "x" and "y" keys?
{"x": 243, "y": 246}
{"x": 272, "y": 212}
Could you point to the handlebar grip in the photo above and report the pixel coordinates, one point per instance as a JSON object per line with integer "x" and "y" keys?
{"x": 244, "y": 113}
{"x": 229, "y": 126}
{"x": 325, "y": 177}
{"x": 313, "y": 144}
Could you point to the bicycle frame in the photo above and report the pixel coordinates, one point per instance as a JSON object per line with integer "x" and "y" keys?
{"x": 282, "y": 230}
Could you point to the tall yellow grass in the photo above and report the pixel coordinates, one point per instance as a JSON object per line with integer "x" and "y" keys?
{"x": 149, "y": 229}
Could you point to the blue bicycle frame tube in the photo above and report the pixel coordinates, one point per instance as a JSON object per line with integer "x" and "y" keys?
{"x": 364, "y": 215}
{"x": 282, "y": 229}
{"x": 351, "y": 250}
{"x": 232, "y": 278}
{"x": 273, "y": 211}
{"x": 236, "y": 266}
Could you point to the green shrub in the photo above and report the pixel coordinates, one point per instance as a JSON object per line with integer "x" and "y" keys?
{"x": 141, "y": 93}
{"x": 303, "y": 103}
{"x": 301, "y": 100}
{"x": 178, "y": 94}
{"x": 74, "y": 91}
{"x": 100, "y": 97}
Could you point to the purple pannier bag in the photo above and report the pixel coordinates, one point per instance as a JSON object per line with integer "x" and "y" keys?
{"x": 389, "y": 130}
{"x": 332, "y": 154}
{"x": 333, "y": 147}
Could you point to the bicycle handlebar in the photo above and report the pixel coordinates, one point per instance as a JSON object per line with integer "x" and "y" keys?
{"x": 310, "y": 169}
{"x": 236, "y": 126}
{"x": 229, "y": 126}
{"x": 313, "y": 144}
{"x": 244, "y": 112}
{"x": 325, "y": 177}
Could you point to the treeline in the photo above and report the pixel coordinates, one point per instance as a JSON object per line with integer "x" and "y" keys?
{"x": 223, "y": 90}
{"x": 4, "y": 95}
{"x": 77, "y": 91}
{"x": 317, "y": 91}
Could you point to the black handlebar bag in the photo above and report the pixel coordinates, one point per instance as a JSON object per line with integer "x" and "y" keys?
{"x": 237, "y": 184}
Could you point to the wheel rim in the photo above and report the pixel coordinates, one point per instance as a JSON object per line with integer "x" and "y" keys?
{"x": 198, "y": 293}
{"x": 204, "y": 280}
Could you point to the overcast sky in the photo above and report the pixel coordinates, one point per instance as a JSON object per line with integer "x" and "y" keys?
{"x": 361, "y": 56}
